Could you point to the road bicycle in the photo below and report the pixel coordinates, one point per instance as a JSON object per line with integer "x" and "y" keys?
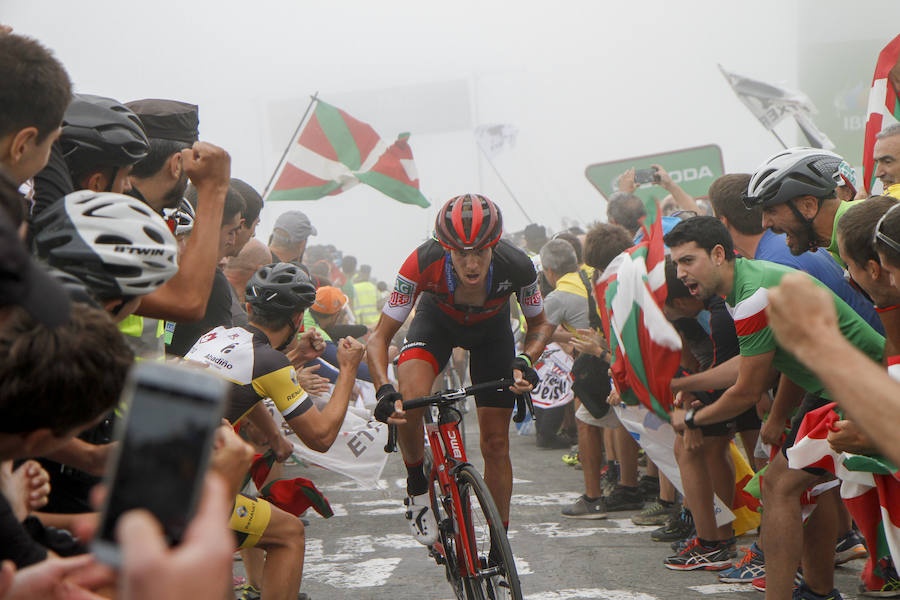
{"x": 472, "y": 544}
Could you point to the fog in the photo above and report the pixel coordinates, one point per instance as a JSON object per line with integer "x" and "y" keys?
{"x": 583, "y": 82}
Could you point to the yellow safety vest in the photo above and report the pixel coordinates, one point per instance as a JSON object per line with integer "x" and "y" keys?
{"x": 366, "y": 304}
{"x": 145, "y": 336}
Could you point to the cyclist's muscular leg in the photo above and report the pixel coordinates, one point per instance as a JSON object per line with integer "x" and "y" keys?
{"x": 494, "y": 425}
{"x": 284, "y": 541}
{"x": 257, "y": 523}
{"x": 415, "y": 377}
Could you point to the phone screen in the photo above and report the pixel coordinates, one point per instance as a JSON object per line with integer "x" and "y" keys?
{"x": 166, "y": 438}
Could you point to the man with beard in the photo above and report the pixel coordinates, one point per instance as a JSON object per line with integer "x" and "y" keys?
{"x": 809, "y": 217}
{"x": 160, "y": 180}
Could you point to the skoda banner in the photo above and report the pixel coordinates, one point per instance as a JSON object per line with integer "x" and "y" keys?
{"x": 694, "y": 169}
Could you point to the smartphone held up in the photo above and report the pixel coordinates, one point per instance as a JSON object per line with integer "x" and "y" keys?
{"x": 165, "y": 438}
{"x": 650, "y": 175}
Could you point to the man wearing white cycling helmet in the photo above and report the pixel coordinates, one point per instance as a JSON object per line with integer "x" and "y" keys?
{"x": 803, "y": 192}
{"x": 121, "y": 250}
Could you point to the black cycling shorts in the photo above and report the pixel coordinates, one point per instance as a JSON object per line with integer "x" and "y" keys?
{"x": 809, "y": 404}
{"x": 433, "y": 335}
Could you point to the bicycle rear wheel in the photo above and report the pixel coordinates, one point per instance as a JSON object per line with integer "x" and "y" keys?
{"x": 488, "y": 542}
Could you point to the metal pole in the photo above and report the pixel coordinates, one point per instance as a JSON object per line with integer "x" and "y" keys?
{"x": 780, "y": 141}
{"x": 312, "y": 101}
{"x": 503, "y": 181}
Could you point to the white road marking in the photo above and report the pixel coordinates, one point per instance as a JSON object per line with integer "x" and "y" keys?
{"x": 590, "y": 593}
{"x": 370, "y": 573}
{"x": 721, "y": 588}
{"x": 556, "y": 530}
{"x": 558, "y": 498}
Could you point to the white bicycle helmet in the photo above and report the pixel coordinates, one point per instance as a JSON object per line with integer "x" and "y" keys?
{"x": 794, "y": 172}
{"x": 181, "y": 219}
{"x": 114, "y": 243}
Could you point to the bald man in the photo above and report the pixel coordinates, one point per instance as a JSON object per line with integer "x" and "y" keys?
{"x": 239, "y": 270}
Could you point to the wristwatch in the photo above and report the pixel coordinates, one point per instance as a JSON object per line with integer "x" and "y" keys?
{"x": 689, "y": 418}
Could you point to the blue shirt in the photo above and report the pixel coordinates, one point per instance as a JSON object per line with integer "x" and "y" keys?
{"x": 823, "y": 267}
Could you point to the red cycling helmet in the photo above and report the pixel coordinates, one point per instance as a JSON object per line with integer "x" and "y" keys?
{"x": 468, "y": 222}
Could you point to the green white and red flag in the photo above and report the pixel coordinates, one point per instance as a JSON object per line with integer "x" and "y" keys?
{"x": 395, "y": 174}
{"x": 870, "y": 490}
{"x": 883, "y": 110}
{"x": 334, "y": 152}
{"x": 645, "y": 347}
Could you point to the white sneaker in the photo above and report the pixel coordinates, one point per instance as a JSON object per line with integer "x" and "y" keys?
{"x": 421, "y": 519}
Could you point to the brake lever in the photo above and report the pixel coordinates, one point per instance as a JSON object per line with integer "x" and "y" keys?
{"x": 391, "y": 445}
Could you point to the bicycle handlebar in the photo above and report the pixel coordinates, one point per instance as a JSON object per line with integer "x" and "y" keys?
{"x": 523, "y": 403}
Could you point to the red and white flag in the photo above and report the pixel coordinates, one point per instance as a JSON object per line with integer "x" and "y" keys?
{"x": 883, "y": 108}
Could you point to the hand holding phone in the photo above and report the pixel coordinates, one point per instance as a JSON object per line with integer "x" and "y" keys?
{"x": 646, "y": 176}
{"x": 172, "y": 414}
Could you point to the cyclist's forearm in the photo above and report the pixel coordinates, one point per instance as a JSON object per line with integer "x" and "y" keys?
{"x": 536, "y": 340}
{"x": 336, "y": 409}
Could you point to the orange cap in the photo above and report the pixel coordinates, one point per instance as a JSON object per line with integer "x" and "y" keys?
{"x": 329, "y": 300}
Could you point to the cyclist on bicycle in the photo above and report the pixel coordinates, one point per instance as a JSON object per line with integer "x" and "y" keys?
{"x": 468, "y": 274}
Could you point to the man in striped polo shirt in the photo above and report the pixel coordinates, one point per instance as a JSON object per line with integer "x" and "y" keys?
{"x": 703, "y": 251}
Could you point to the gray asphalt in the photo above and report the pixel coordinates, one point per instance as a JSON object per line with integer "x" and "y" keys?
{"x": 365, "y": 551}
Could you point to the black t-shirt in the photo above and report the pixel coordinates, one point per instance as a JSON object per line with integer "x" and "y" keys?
{"x": 52, "y": 182}
{"x": 218, "y": 312}
{"x": 15, "y": 542}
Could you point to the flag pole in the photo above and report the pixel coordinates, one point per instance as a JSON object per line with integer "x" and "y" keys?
{"x": 778, "y": 137}
{"x": 503, "y": 181}
{"x": 312, "y": 100}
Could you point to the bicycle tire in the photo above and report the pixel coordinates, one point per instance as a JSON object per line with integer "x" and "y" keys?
{"x": 446, "y": 536}
{"x": 486, "y": 531}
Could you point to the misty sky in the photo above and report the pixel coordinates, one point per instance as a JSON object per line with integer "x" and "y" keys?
{"x": 583, "y": 82}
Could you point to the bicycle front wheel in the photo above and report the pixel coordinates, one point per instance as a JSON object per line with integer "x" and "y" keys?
{"x": 495, "y": 568}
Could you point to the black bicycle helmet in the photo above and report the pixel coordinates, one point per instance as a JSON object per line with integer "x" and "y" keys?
{"x": 791, "y": 173}
{"x": 468, "y": 222}
{"x": 101, "y": 132}
{"x": 280, "y": 290}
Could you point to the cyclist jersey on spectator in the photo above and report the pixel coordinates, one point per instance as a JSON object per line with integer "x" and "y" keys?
{"x": 245, "y": 357}
{"x": 428, "y": 269}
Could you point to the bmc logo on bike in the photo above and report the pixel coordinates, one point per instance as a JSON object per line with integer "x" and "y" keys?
{"x": 455, "y": 445}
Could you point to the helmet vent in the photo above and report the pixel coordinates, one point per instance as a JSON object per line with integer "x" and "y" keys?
{"x": 108, "y": 238}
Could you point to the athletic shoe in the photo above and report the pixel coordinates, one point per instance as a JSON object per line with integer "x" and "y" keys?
{"x": 890, "y": 589}
{"x": 731, "y": 542}
{"x": 246, "y": 592}
{"x": 697, "y": 556}
{"x": 571, "y": 459}
{"x": 849, "y": 547}
{"x": 655, "y": 514}
{"x": 649, "y": 487}
{"x": 679, "y": 527}
{"x": 804, "y": 593}
{"x": 624, "y": 498}
{"x": 751, "y": 566}
{"x": 609, "y": 478}
{"x": 421, "y": 519}
{"x": 585, "y": 509}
